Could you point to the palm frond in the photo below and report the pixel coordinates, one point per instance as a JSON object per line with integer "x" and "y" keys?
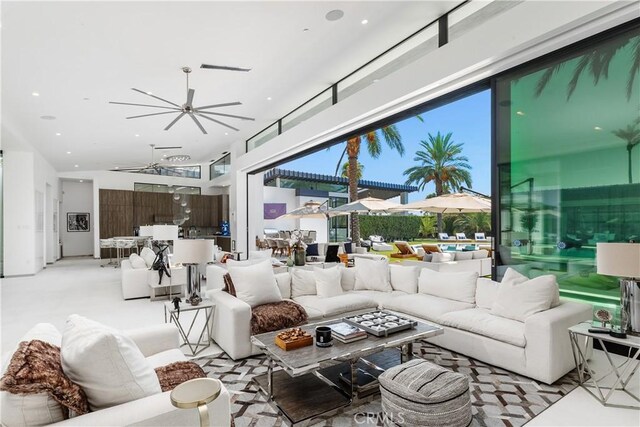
{"x": 577, "y": 72}
{"x": 635, "y": 67}
{"x": 344, "y": 152}
{"x": 544, "y": 80}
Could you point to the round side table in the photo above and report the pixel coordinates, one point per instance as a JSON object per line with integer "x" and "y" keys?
{"x": 196, "y": 393}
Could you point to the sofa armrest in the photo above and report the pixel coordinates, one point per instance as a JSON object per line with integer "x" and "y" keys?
{"x": 548, "y": 349}
{"x": 231, "y": 324}
{"x": 155, "y": 410}
{"x": 155, "y": 339}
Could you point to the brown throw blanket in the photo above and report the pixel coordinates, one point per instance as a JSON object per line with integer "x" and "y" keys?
{"x": 276, "y": 315}
{"x": 174, "y": 374}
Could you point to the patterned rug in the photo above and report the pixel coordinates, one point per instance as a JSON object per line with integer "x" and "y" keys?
{"x": 499, "y": 397}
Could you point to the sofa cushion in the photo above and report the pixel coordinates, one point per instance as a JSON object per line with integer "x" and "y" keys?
{"x": 106, "y": 363}
{"x": 464, "y": 256}
{"x": 228, "y": 285}
{"x": 379, "y": 297}
{"x": 284, "y": 284}
{"x": 303, "y": 282}
{"x": 372, "y": 275}
{"x": 348, "y": 279}
{"x": 165, "y": 358}
{"x": 348, "y": 248}
{"x": 276, "y": 315}
{"x": 404, "y": 278}
{"x": 481, "y": 321}
{"x": 454, "y": 286}
{"x": 486, "y": 292}
{"x": 428, "y": 307}
{"x": 148, "y": 256}
{"x": 174, "y": 374}
{"x": 481, "y": 253}
{"x": 137, "y": 261}
{"x": 312, "y": 249}
{"x": 328, "y": 281}
{"x": 515, "y": 277}
{"x": 336, "y": 305}
{"x": 442, "y": 256}
{"x": 255, "y": 284}
{"x": 518, "y": 301}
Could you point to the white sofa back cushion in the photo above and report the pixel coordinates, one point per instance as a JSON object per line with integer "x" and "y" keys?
{"x": 303, "y": 282}
{"x": 148, "y": 256}
{"x": 372, "y": 275}
{"x": 480, "y": 253}
{"x": 453, "y": 286}
{"x": 328, "y": 282}
{"x": 137, "y": 261}
{"x": 284, "y": 284}
{"x": 519, "y": 300}
{"x": 404, "y": 278}
{"x": 348, "y": 279}
{"x": 105, "y": 363}
{"x": 255, "y": 284}
{"x": 514, "y": 277}
{"x": 442, "y": 257}
{"x": 486, "y": 292}
{"x": 464, "y": 256}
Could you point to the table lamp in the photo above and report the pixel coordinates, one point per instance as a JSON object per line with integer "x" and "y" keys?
{"x": 190, "y": 253}
{"x": 623, "y": 260}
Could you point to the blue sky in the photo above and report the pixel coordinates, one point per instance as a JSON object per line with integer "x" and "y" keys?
{"x": 469, "y": 120}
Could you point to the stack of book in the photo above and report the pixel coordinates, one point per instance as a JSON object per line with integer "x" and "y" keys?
{"x": 346, "y": 333}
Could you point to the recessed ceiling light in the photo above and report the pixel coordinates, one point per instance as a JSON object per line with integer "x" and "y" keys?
{"x": 58, "y": 134}
{"x": 137, "y": 134}
{"x": 226, "y": 133}
{"x": 376, "y": 80}
{"x": 364, "y": 21}
{"x": 304, "y": 30}
{"x": 520, "y": 113}
{"x": 117, "y": 167}
{"x": 68, "y": 152}
{"x": 35, "y": 94}
{"x": 178, "y": 158}
{"x": 149, "y": 93}
{"x": 164, "y": 155}
{"x": 76, "y": 166}
{"x": 268, "y": 98}
{"x": 81, "y": 180}
{"x": 48, "y": 117}
{"x": 597, "y": 128}
{"x": 334, "y": 15}
{"x": 85, "y": 99}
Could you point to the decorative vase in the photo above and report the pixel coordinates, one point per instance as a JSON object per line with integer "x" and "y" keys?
{"x": 299, "y": 256}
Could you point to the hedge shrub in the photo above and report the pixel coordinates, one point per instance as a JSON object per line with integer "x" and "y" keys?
{"x": 391, "y": 227}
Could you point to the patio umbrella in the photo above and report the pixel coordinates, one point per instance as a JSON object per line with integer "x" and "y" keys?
{"x": 451, "y": 203}
{"x": 366, "y": 205}
{"x": 311, "y": 210}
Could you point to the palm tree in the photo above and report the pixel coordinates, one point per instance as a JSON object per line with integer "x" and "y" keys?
{"x": 631, "y": 134}
{"x": 473, "y": 222}
{"x": 440, "y": 162}
{"x": 345, "y": 170}
{"x": 391, "y": 137}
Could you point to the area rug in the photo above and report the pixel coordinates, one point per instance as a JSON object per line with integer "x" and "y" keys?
{"x": 499, "y": 397}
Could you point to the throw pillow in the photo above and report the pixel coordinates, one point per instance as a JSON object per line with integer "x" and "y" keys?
{"x": 35, "y": 368}
{"x": 137, "y": 261}
{"x": 403, "y": 278}
{"x": 454, "y": 286}
{"x": 277, "y": 315}
{"x": 105, "y": 363}
{"x": 328, "y": 282}
{"x": 486, "y": 292}
{"x": 312, "y": 249}
{"x": 442, "y": 257}
{"x": 303, "y": 282}
{"x": 464, "y": 256}
{"x": 348, "y": 248}
{"x": 479, "y": 254}
{"x": 148, "y": 256}
{"x": 174, "y": 374}
{"x": 427, "y": 257}
{"x": 228, "y": 285}
{"x": 519, "y": 300}
{"x": 255, "y": 284}
{"x": 372, "y": 274}
{"x": 511, "y": 275}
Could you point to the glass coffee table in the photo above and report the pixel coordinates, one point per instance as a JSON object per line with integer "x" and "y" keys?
{"x": 316, "y": 381}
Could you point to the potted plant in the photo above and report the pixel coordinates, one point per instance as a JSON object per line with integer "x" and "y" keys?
{"x": 298, "y": 247}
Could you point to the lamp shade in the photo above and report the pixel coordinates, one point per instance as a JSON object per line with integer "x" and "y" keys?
{"x": 618, "y": 259}
{"x": 165, "y": 232}
{"x": 192, "y": 251}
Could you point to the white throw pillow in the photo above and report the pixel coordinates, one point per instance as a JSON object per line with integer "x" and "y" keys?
{"x": 148, "y": 256}
{"x": 442, "y": 257}
{"x": 481, "y": 253}
{"x": 105, "y": 363}
{"x": 137, "y": 262}
{"x": 519, "y": 300}
{"x": 328, "y": 282}
{"x": 348, "y": 278}
{"x": 486, "y": 292}
{"x": 303, "y": 282}
{"x": 511, "y": 275}
{"x": 464, "y": 256}
{"x": 372, "y": 275}
{"x": 454, "y": 286}
{"x": 404, "y": 278}
{"x": 255, "y": 284}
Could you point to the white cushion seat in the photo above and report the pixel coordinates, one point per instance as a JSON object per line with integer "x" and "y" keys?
{"x": 426, "y": 307}
{"x": 336, "y": 305}
{"x": 380, "y": 298}
{"x": 165, "y": 358}
{"x": 481, "y": 321}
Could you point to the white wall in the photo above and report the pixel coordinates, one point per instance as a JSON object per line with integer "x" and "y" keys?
{"x": 524, "y": 32}
{"x": 76, "y": 197}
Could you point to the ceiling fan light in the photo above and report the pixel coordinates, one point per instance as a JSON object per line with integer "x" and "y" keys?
{"x": 176, "y": 158}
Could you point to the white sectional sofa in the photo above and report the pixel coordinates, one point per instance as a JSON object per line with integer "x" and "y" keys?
{"x": 537, "y": 347}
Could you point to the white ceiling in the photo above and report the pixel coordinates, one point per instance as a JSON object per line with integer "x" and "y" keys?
{"x": 69, "y": 51}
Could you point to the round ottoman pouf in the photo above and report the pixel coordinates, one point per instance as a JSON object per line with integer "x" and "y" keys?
{"x": 420, "y": 393}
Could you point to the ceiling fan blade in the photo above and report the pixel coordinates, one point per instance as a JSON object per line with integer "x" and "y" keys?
{"x": 156, "y": 97}
{"x": 198, "y": 123}
{"x": 227, "y": 104}
{"x": 174, "y": 121}
{"x": 168, "y": 148}
{"x": 223, "y": 67}
{"x": 190, "y": 94}
{"x": 152, "y": 114}
{"x": 217, "y": 121}
{"x": 145, "y": 105}
{"x": 227, "y": 115}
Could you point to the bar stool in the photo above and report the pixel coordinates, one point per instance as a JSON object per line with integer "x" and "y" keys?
{"x": 107, "y": 244}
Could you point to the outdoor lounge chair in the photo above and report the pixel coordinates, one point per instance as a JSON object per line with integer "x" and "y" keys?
{"x": 462, "y": 237}
{"x": 480, "y": 237}
{"x": 405, "y": 251}
{"x": 445, "y": 237}
{"x": 429, "y": 249}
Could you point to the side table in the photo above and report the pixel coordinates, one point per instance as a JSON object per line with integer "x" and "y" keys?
{"x": 173, "y": 315}
{"x": 623, "y": 372}
{"x": 196, "y": 393}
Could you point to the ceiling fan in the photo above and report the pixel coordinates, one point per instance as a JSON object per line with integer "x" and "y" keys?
{"x": 187, "y": 108}
{"x": 151, "y": 166}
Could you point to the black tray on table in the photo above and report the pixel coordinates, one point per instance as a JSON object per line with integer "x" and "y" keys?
{"x": 382, "y": 324}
